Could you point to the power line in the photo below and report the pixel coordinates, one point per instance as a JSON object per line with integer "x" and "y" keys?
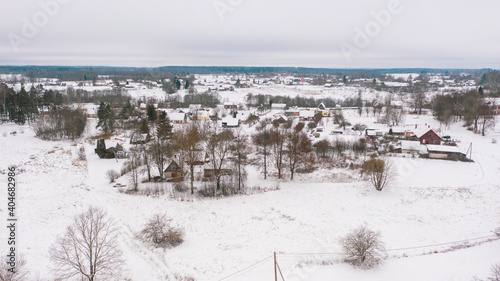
{"x": 246, "y": 268}
{"x": 491, "y": 237}
{"x": 447, "y": 243}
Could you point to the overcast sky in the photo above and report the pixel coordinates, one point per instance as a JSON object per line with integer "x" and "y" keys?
{"x": 313, "y": 33}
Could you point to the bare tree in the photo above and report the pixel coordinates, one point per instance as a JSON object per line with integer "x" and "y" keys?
{"x": 188, "y": 140}
{"x": 19, "y": 273}
{"x": 218, "y": 147}
{"x": 135, "y": 163}
{"x": 263, "y": 142}
{"x": 147, "y": 160}
{"x": 159, "y": 230}
{"x": 160, "y": 151}
{"x": 495, "y": 273}
{"x": 278, "y": 135}
{"x": 418, "y": 101}
{"x": 112, "y": 175}
{"x": 89, "y": 248}
{"x": 298, "y": 145}
{"x": 323, "y": 147}
{"x": 363, "y": 248}
{"x": 379, "y": 171}
{"x": 240, "y": 150}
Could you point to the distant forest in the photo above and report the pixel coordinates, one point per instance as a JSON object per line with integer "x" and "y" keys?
{"x": 81, "y": 73}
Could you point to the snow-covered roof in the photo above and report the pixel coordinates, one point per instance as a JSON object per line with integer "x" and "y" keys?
{"x": 398, "y": 129}
{"x": 306, "y": 113}
{"x": 231, "y": 122}
{"x": 410, "y": 145}
{"x": 177, "y": 116}
{"x": 421, "y": 131}
{"x": 202, "y": 113}
{"x": 443, "y": 148}
{"x": 278, "y": 105}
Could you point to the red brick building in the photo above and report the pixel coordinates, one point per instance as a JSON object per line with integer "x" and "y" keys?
{"x": 429, "y": 137}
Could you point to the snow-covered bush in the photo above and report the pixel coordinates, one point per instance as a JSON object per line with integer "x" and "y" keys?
{"x": 81, "y": 154}
{"x": 159, "y": 230}
{"x": 21, "y": 272}
{"x": 112, "y": 175}
{"x": 363, "y": 248}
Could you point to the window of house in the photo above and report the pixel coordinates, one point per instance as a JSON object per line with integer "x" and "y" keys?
{"x": 434, "y": 141}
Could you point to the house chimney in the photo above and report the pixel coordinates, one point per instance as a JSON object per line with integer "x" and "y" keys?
{"x": 416, "y": 126}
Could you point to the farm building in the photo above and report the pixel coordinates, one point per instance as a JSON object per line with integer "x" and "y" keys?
{"x": 445, "y": 152}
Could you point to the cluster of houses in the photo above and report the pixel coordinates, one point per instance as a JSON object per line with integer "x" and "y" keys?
{"x": 303, "y": 114}
{"x": 422, "y": 141}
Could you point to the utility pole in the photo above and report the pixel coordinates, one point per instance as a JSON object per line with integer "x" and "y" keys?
{"x": 275, "y": 272}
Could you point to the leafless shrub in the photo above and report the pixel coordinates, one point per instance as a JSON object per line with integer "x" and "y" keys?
{"x": 89, "y": 248}
{"x": 81, "y": 154}
{"x": 112, "y": 175}
{"x": 20, "y": 270}
{"x": 379, "y": 171}
{"x": 159, "y": 230}
{"x": 362, "y": 248}
{"x": 495, "y": 273}
{"x": 180, "y": 187}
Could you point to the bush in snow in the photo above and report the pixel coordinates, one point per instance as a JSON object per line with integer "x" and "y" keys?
{"x": 495, "y": 273}
{"x": 379, "y": 171}
{"x": 112, "y": 175}
{"x": 81, "y": 154}
{"x": 21, "y": 272}
{"x": 159, "y": 230}
{"x": 363, "y": 248}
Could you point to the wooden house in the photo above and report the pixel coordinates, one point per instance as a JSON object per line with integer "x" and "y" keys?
{"x": 173, "y": 172}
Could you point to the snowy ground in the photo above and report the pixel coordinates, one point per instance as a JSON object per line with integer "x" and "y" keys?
{"x": 430, "y": 202}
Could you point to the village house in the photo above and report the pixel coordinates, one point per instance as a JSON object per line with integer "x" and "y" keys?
{"x": 293, "y": 112}
{"x": 138, "y": 138}
{"x": 230, "y": 105}
{"x": 177, "y": 118}
{"x": 410, "y": 147}
{"x": 278, "y": 106}
{"x": 202, "y": 115}
{"x": 494, "y": 105}
{"x": 428, "y": 136}
{"x": 306, "y": 115}
{"x": 173, "y": 172}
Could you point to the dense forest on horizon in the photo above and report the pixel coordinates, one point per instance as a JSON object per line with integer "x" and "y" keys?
{"x": 78, "y": 73}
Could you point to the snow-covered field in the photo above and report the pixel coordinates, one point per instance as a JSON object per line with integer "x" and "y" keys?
{"x": 430, "y": 202}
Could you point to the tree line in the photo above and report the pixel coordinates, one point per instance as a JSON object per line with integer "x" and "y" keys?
{"x": 473, "y": 107}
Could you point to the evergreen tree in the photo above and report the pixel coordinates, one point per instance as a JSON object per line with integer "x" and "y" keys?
{"x": 151, "y": 113}
{"x": 106, "y": 118}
